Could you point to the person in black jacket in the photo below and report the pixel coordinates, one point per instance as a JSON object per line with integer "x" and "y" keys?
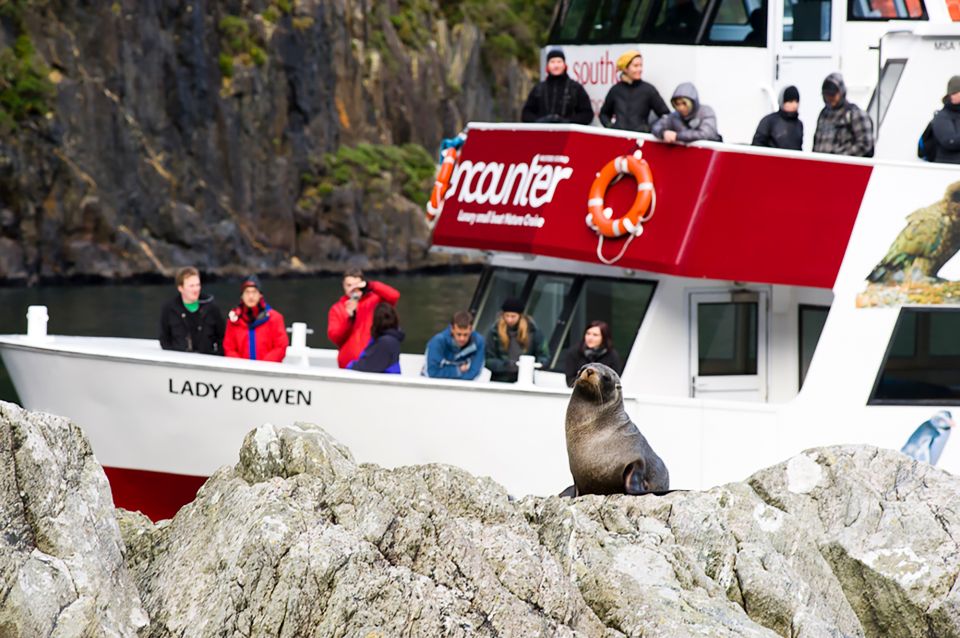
{"x": 559, "y": 98}
{"x": 946, "y": 125}
{"x": 782, "y": 129}
{"x": 188, "y": 322}
{"x": 595, "y": 347}
{"x": 382, "y": 354}
{"x": 629, "y": 102}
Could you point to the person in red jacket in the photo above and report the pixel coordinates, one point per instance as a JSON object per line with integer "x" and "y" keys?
{"x": 351, "y": 317}
{"x": 254, "y": 329}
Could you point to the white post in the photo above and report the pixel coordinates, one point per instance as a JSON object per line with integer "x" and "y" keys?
{"x": 37, "y": 323}
{"x": 525, "y": 367}
{"x": 299, "y": 337}
{"x": 298, "y": 344}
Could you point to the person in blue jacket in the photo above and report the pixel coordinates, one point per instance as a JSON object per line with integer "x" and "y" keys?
{"x": 456, "y": 352}
{"x": 382, "y": 353}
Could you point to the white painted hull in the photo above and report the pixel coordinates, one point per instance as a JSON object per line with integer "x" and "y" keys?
{"x": 129, "y": 397}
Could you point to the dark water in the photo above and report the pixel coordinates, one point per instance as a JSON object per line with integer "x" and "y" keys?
{"x": 426, "y": 303}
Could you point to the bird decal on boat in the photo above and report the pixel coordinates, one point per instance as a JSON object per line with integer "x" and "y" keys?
{"x": 928, "y": 440}
{"x": 929, "y": 240}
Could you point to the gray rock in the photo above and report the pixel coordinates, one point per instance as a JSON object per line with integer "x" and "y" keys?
{"x": 62, "y": 567}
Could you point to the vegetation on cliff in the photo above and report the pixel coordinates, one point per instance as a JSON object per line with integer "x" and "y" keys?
{"x": 25, "y": 89}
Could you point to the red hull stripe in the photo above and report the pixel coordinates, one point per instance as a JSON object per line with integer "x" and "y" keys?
{"x": 158, "y": 495}
{"x": 719, "y": 214}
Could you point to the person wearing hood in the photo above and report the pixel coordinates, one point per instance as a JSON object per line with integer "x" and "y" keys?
{"x": 630, "y": 101}
{"x": 946, "y": 124}
{"x": 843, "y": 128}
{"x": 382, "y": 353}
{"x": 254, "y": 329}
{"x": 559, "y": 98}
{"x": 457, "y": 351}
{"x": 782, "y": 129}
{"x": 595, "y": 347}
{"x": 690, "y": 122}
{"x": 513, "y": 334}
{"x": 189, "y": 322}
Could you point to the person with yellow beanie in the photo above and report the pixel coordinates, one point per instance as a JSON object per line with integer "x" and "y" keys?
{"x": 630, "y": 101}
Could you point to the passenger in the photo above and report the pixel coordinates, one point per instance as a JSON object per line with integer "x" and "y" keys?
{"x": 758, "y": 28}
{"x": 188, "y": 322}
{"x": 559, "y": 98}
{"x": 946, "y": 124}
{"x": 382, "y": 353}
{"x": 350, "y": 318}
{"x": 682, "y": 21}
{"x": 254, "y": 329}
{"x": 630, "y": 101}
{"x": 595, "y": 347}
{"x": 457, "y": 352}
{"x": 513, "y": 334}
{"x": 842, "y": 128}
{"x": 690, "y": 122}
{"x": 782, "y": 129}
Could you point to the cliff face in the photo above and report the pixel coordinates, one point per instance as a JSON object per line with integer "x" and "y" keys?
{"x": 205, "y": 132}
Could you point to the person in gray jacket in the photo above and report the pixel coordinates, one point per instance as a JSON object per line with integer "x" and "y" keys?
{"x": 691, "y": 121}
{"x": 946, "y": 125}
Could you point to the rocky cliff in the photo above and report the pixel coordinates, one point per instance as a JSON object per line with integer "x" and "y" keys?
{"x": 269, "y": 135}
{"x": 297, "y": 539}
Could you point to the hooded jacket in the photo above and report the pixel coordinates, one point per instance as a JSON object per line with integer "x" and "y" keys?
{"x": 351, "y": 334}
{"x": 444, "y": 356}
{"x": 628, "y": 106}
{"x": 845, "y": 129}
{"x": 699, "y": 124}
{"x": 263, "y": 339}
{"x": 780, "y": 129}
{"x": 946, "y": 130}
{"x": 200, "y": 331}
{"x": 381, "y": 354}
{"x": 558, "y": 99}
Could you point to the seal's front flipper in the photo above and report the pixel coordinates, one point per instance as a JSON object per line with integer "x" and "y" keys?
{"x": 570, "y": 492}
{"x": 633, "y": 482}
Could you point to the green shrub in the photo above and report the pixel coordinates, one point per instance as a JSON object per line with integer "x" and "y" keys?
{"x": 25, "y": 89}
{"x": 271, "y": 14}
{"x": 368, "y": 166}
{"x": 226, "y": 65}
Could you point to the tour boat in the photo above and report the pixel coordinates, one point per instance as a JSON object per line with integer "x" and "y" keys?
{"x": 765, "y": 302}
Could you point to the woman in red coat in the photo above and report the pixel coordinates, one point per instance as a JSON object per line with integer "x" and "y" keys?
{"x": 254, "y": 329}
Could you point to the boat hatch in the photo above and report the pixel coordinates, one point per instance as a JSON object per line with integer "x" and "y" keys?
{"x": 922, "y": 362}
{"x": 563, "y": 305}
{"x": 728, "y": 345}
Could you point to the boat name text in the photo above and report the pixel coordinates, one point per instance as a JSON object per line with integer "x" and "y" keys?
{"x": 249, "y": 394}
{"x": 493, "y": 183}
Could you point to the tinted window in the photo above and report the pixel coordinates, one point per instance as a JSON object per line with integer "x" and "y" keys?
{"x": 727, "y": 338}
{"x": 889, "y": 78}
{"x": 501, "y": 284}
{"x": 922, "y": 364}
{"x": 886, "y": 10}
{"x": 806, "y": 20}
{"x": 812, "y": 319}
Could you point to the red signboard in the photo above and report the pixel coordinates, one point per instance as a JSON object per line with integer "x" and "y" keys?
{"x": 719, "y": 214}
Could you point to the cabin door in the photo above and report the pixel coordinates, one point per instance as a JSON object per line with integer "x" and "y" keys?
{"x": 728, "y": 345}
{"x": 806, "y": 45}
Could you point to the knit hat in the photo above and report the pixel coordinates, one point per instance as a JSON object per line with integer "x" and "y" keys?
{"x": 252, "y": 280}
{"x": 953, "y": 86}
{"x": 791, "y": 94}
{"x": 624, "y": 60}
{"x": 556, "y": 53}
{"x": 512, "y": 304}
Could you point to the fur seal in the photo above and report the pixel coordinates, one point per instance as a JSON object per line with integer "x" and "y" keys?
{"x": 608, "y": 454}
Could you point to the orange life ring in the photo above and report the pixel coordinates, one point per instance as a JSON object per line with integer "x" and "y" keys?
{"x": 600, "y": 218}
{"x": 441, "y": 184}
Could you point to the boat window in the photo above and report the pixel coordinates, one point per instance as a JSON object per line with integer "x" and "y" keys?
{"x": 739, "y": 22}
{"x": 676, "y": 22}
{"x": 631, "y": 21}
{"x": 547, "y": 300}
{"x": 889, "y": 79}
{"x": 922, "y": 364}
{"x": 886, "y": 10}
{"x": 806, "y": 20}
{"x": 621, "y": 304}
{"x": 727, "y": 338}
{"x": 812, "y": 319}
{"x": 500, "y": 285}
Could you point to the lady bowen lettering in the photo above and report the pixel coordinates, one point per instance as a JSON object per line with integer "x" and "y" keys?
{"x": 248, "y": 394}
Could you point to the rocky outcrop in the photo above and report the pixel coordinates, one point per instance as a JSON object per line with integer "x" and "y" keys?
{"x": 298, "y": 539}
{"x": 187, "y": 133}
{"x": 62, "y": 567}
